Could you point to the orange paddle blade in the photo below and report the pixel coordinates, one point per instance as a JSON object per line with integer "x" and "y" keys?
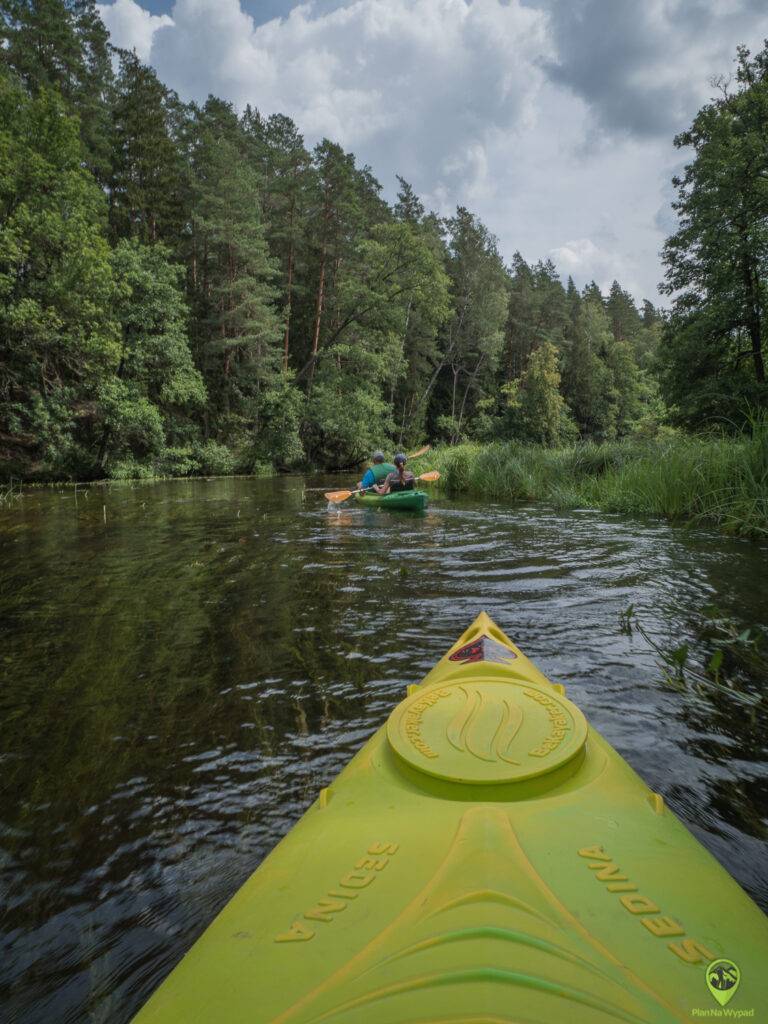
{"x": 429, "y": 477}
{"x": 337, "y": 496}
{"x": 421, "y": 451}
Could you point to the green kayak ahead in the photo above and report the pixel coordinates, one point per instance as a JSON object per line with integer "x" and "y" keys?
{"x": 399, "y": 500}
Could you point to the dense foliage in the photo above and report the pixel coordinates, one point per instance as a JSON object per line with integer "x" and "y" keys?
{"x": 717, "y": 262}
{"x": 187, "y": 288}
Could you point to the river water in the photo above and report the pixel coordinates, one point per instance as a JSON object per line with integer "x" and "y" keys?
{"x": 183, "y": 665}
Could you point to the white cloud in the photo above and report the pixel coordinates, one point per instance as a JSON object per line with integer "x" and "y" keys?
{"x": 131, "y": 27}
{"x": 585, "y": 261}
{"x": 461, "y": 99}
{"x": 576, "y": 255}
{"x": 421, "y": 82}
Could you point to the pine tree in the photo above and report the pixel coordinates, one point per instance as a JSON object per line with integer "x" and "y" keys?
{"x": 147, "y": 194}
{"x": 409, "y": 209}
{"x": 624, "y": 318}
{"x": 422, "y": 352}
{"x": 521, "y": 323}
{"x": 573, "y": 300}
{"x": 475, "y": 333}
{"x": 538, "y": 410}
{"x": 93, "y": 97}
{"x": 286, "y": 198}
{"x": 238, "y": 330}
{"x": 592, "y": 293}
{"x": 63, "y": 45}
{"x": 538, "y": 312}
{"x": 333, "y": 225}
{"x": 346, "y": 206}
{"x": 587, "y": 380}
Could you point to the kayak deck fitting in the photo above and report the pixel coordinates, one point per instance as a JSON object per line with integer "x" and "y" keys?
{"x": 486, "y": 858}
{"x": 400, "y": 500}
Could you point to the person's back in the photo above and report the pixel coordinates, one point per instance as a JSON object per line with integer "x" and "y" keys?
{"x": 401, "y": 483}
{"x": 400, "y": 479}
{"x": 377, "y": 473}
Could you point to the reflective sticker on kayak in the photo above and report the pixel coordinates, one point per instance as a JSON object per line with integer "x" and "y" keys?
{"x": 483, "y": 649}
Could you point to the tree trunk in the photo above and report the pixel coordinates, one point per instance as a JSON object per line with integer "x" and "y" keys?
{"x": 431, "y": 383}
{"x": 402, "y": 423}
{"x": 753, "y": 317}
{"x": 757, "y": 351}
{"x": 470, "y": 382}
{"x": 286, "y": 340}
{"x": 336, "y": 322}
{"x": 193, "y": 254}
{"x": 107, "y": 432}
{"x": 321, "y": 285}
{"x": 318, "y": 317}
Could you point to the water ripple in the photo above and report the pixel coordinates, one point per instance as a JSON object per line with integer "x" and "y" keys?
{"x": 180, "y": 682}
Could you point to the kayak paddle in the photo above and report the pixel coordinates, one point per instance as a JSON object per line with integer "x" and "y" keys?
{"x": 421, "y": 451}
{"x": 338, "y": 496}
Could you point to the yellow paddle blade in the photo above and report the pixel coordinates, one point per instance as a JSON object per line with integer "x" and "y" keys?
{"x": 429, "y": 477}
{"x": 421, "y": 451}
{"x": 337, "y": 496}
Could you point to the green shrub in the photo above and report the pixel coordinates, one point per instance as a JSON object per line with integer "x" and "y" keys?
{"x": 178, "y": 462}
{"x": 215, "y": 459}
{"x": 130, "y": 469}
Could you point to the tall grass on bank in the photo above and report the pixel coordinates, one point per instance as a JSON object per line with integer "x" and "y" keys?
{"x": 9, "y": 491}
{"x": 714, "y": 479}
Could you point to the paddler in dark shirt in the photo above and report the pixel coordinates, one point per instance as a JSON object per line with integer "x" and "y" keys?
{"x": 376, "y": 473}
{"x": 400, "y": 479}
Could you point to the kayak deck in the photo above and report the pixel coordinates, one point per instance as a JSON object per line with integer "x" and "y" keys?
{"x": 400, "y": 500}
{"x": 486, "y": 858}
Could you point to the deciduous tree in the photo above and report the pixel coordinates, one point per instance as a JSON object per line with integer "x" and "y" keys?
{"x": 717, "y": 261}
{"x": 58, "y": 338}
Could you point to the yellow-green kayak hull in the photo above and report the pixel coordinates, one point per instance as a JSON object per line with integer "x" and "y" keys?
{"x": 486, "y": 857}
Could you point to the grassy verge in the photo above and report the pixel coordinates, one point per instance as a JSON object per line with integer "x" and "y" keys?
{"x": 719, "y": 480}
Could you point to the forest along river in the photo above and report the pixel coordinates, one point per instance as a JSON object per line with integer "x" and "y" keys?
{"x": 185, "y": 664}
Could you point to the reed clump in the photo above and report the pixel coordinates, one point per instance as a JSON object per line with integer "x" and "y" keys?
{"x": 717, "y": 479}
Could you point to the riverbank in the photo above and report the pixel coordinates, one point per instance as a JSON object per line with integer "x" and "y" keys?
{"x": 718, "y": 480}
{"x": 14, "y": 489}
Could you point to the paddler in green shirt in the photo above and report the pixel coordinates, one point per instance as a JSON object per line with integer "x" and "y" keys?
{"x": 376, "y": 473}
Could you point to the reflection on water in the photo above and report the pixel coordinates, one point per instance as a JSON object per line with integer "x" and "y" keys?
{"x": 179, "y": 680}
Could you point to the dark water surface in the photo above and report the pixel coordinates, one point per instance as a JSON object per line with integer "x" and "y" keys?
{"x": 179, "y": 681}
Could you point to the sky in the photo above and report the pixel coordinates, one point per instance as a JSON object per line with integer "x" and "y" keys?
{"x": 552, "y": 120}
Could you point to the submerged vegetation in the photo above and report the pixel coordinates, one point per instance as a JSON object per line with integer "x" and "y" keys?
{"x": 724, "y": 657}
{"x": 718, "y": 479}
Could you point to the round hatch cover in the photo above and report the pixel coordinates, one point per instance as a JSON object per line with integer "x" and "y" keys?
{"x": 486, "y": 731}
